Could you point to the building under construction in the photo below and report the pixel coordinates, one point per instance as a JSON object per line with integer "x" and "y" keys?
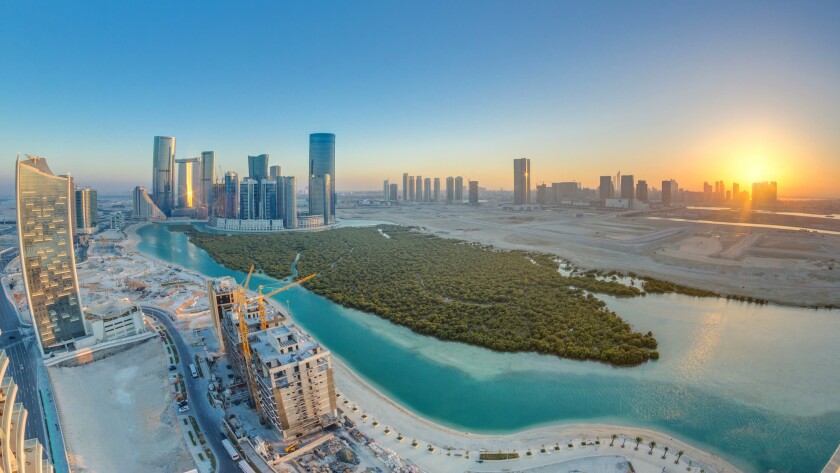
{"x": 289, "y": 375}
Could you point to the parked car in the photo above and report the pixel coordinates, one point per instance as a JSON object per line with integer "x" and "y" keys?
{"x": 183, "y": 409}
{"x": 172, "y": 367}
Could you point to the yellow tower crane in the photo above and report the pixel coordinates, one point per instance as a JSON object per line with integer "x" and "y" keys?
{"x": 243, "y": 330}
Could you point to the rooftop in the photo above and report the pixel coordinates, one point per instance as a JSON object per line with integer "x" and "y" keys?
{"x": 282, "y": 345}
{"x": 111, "y": 309}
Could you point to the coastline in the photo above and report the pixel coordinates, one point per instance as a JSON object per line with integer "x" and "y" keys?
{"x": 389, "y": 412}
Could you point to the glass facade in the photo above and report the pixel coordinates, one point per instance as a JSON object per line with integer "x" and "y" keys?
{"x": 319, "y": 197}
{"x": 231, "y": 195}
{"x": 521, "y": 181}
{"x": 163, "y": 174}
{"x": 45, "y": 235}
{"x": 321, "y": 164}
{"x": 287, "y": 201}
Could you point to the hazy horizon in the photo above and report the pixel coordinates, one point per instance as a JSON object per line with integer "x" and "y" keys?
{"x": 740, "y": 92}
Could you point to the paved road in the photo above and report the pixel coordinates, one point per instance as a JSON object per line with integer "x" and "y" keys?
{"x": 199, "y": 406}
{"x": 23, "y": 366}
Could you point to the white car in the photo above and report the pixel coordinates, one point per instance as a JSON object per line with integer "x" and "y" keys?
{"x": 183, "y": 409}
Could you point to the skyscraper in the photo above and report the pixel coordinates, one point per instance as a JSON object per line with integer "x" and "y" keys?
{"x": 322, "y": 166}
{"x": 274, "y": 172}
{"x": 287, "y": 201}
{"x": 258, "y": 167}
{"x": 667, "y": 194}
{"x": 418, "y": 188}
{"x": 231, "y": 195}
{"x": 86, "y": 210}
{"x": 208, "y": 178}
{"x": 186, "y": 176}
{"x": 521, "y": 181}
{"x": 268, "y": 199}
{"x": 606, "y": 189}
{"x": 642, "y": 191}
{"x": 427, "y": 189}
{"x": 249, "y": 195}
{"x": 394, "y": 193}
{"x": 411, "y": 191}
{"x": 163, "y": 174}
{"x": 405, "y": 187}
{"x": 473, "y": 193}
{"x": 386, "y": 188}
{"x": 436, "y": 197}
{"x": 45, "y": 236}
{"x": 459, "y": 190}
{"x": 450, "y": 190}
{"x": 257, "y": 170}
{"x": 628, "y": 187}
{"x": 319, "y": 197}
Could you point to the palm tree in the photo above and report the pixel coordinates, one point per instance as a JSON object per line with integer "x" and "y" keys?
{"x": 652, "y": 444}
{"x": 666, "y": 452}
{"x": 614, "y": 436}
{"x": 679, "y": 454}
{"x": 622, "y": 442}
{"x": 638, "y": 441}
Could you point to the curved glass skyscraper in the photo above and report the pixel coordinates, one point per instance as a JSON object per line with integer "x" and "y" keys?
{"x": 45, "y": 235}
{"x": 321, "y": 164}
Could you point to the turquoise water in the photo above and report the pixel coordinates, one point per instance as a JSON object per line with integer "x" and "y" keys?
{"x": 758, "y": 385}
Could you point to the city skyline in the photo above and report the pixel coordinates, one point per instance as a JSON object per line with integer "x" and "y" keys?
{"x": 682, "y": 92}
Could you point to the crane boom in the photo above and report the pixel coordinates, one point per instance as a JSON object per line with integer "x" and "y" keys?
{"x": 278, "y": 291}
{"x": 248, "y": 277}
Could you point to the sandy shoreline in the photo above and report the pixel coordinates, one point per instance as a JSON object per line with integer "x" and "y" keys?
{"x": 388, "y": 412}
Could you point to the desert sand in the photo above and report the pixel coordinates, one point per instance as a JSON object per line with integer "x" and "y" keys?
{"x": 125, "y": 393}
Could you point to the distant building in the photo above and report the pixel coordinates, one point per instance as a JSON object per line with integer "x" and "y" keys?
{"x": 628, "y": 187}
{"x": 274, "y": 172}
{"x": 707, "y": 192}
{"x": 418, "y": 189}
{"x": 564, "y": 190}
{"x": 764, "y": 194}
{"x": 459, "y": 190}
{"x": 117, "y": 220}
{"x": 114, "y": 320}
{"x": 473, "y": 192}
{"x": 394, "y": 193}
{"x": 268, "y": 199}
{"x": 322, "y": 166}
{"x": 642, "y": 191}
{"x": 208, "y": 180}
{"x": 17, "y": 454}
{"x": 667, "y": 194}
{"x": 163, "y": 174}
{"x": 258, "y": 167}
{"x": 606, "y": 189}
{"x": 86, "y": 210}
{"x": 521, "y": 181}
{"x": 450, "y": 190}
{"x": 48, "y": 262}
{"x": 287, "y": 201}
{"x": 427, "y": 190}
{"x": 543, "y": 195}
{"x": 386, "y": 190}
{"x": 411, "y": 190}
{"x": 436, "y": 197}
{"x": 217, "y": 207}
{"x": 248, "y": 196}
{"x": 189, "y": 179}
{"x": 295, "y": 380}
{"x": 405, "y": 187}
{"x": 143, "y": 208}
{"x": 232, "y": 200}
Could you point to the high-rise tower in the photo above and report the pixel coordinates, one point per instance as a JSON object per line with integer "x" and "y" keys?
{"x": 322, "y": 166}
{"x": 163, "y": 174}
{"x": 521, "y": 181}
{"x": 45, "y": 236}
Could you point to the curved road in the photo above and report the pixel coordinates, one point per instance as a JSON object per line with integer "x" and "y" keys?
{"x": 199, "y": 405}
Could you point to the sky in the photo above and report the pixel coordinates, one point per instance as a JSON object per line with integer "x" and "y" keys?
{"x": 692, "y": 91}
